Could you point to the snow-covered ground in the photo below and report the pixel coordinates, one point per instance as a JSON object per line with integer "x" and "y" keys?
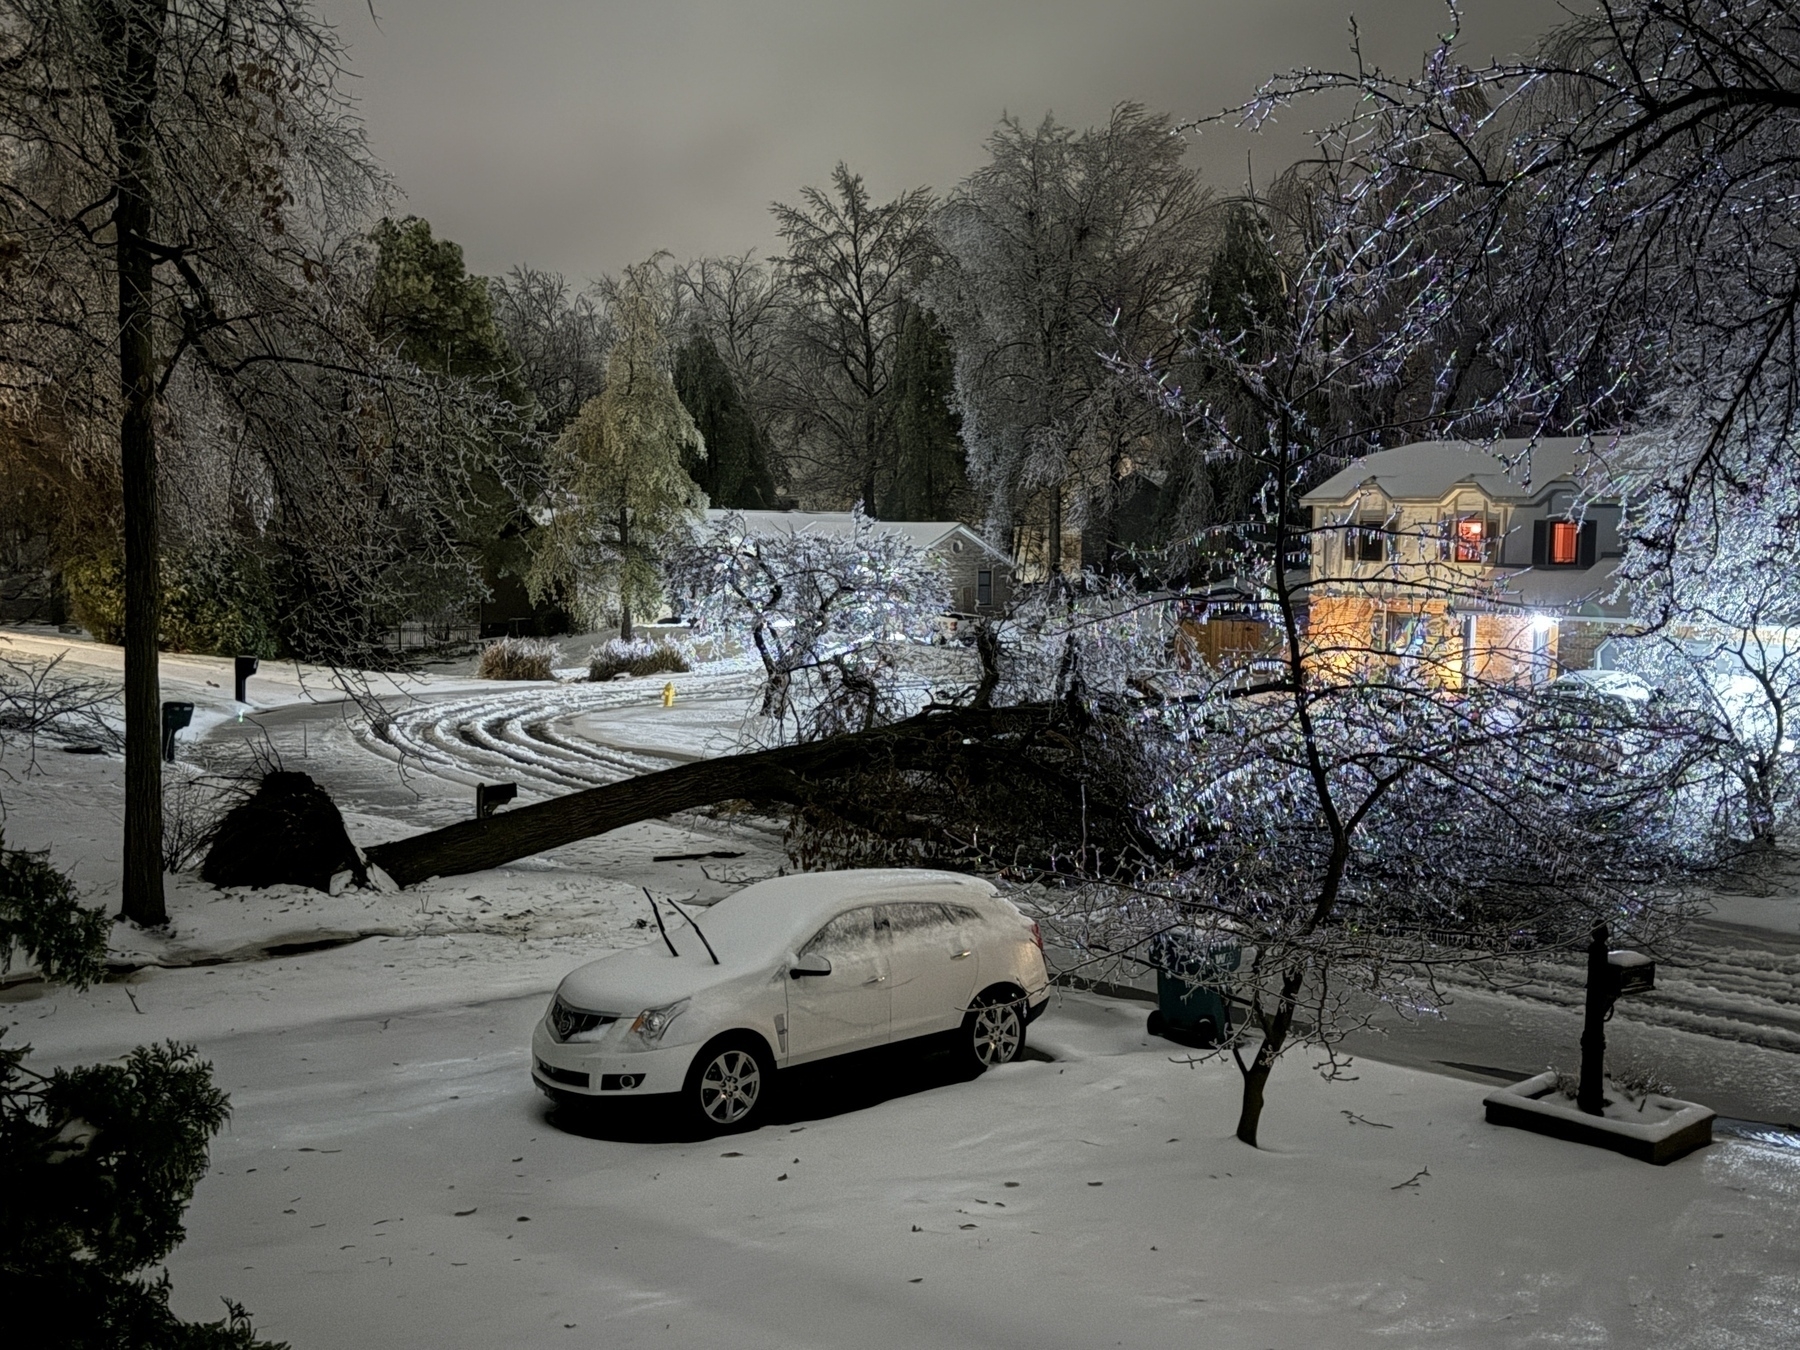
{"x": 379, "y": 1087}
{"x": 390, "y": 1178}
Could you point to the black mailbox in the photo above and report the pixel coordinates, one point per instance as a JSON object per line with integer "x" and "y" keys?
{"x": 246, "y": 667}
{"x": 1630, "y": 973}
{"x": 490, "y": 797}
{"x": 175, "y": 717}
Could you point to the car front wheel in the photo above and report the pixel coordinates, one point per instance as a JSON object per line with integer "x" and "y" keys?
{"x": 728, "y": 1086}
{"x": 994, "y": 1031}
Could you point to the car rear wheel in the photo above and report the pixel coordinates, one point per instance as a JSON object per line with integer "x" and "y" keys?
{"x": 994, "y": 1030}
{"x": 729, "y": 1085}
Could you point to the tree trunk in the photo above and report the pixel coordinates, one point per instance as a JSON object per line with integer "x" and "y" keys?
{"x": 1250, "y": 1106}
{"x": 134, "y": 34}
{"x": 1054, "y": 543}
{"x": 1591, "y": 1096}
{"x": 1256, "y": 1076}
{"x": 624, "y": 598}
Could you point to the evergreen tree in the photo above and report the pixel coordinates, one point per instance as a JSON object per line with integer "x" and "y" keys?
{"x": 441, "y": 317}
{"x": 97, "y": 1162}
{"x": 621, "y": 491}
{"x": 1240, "y": 294}
{"x": 424, "y": 302}
{"x": 734, "y": 472}
{"x": 929, "y": 480}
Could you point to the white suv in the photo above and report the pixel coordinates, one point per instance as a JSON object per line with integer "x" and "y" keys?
{"x": 786, "y": 972}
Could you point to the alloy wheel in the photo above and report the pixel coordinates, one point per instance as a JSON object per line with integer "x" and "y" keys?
{"x": 997, "y": 1033}
{"x": 730, "y": 1087}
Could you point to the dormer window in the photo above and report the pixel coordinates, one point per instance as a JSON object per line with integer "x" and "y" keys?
{"x": 1471, "y": 539}
{"x": 1564, "y": 538}
{"x": 1564, "y": 543}
{"x": 1367, "y": 541}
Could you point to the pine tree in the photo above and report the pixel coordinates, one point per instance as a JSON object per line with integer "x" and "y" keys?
{"x": 1241, "y": 291}
{"x": 929, "y": 480}
{"x": 734, "y": 472}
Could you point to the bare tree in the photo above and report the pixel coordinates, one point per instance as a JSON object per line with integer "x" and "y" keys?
{"x": 1064, "y": 247}
{"x": 560, "y": 338}
{"x": 846, "y": 272}
{"x": 740, "y": 302}
{"x": 187, "y": 151}
{"x": 1358, "y": 812}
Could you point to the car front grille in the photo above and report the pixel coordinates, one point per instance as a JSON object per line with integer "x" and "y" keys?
{"x": 566, "y": 1021}
{"x": 573, "y": 1077}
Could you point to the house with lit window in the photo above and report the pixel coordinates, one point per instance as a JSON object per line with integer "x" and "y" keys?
{"x": 980, "y": 576}
{"x": 1479, "y": 561}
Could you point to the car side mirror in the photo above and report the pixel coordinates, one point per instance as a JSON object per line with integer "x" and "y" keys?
{"x": 810, "y": 964}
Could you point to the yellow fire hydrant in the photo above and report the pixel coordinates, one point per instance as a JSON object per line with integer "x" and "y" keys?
{"x": 669, "y": 694}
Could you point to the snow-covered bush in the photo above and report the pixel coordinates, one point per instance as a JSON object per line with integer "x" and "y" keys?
{"x": 639, "y": 656}
{"x": 813, "y": 606}
{"x": 518, "y": 659}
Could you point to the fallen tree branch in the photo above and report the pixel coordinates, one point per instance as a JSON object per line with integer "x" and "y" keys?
{"x": 1040, "y": 743}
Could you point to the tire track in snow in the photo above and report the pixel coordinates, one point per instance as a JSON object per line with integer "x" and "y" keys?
{"x": 1731, "y": 993}
{"x": 520, "y": 735}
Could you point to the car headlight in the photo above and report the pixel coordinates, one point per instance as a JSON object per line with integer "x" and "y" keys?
{"x": 652, "y": 1022}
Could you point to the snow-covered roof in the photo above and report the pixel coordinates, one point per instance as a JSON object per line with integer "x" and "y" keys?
{"x": 1506, "y": 471}
{"x": 924, "y": 535}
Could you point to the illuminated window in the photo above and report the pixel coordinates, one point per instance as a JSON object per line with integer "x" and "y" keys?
{"x": 1565, "y": 543}
{"x": 1471, "y": 539}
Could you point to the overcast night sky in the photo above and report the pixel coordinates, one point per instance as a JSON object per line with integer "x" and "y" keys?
{"x": 581, "y": 135}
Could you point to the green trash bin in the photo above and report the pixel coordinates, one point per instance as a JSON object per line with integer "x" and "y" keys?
{"x": 1190, "y": 1005}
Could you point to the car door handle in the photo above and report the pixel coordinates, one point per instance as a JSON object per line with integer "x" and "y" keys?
{"x": 879, "y": 979}
{"x": 957, "y": 956}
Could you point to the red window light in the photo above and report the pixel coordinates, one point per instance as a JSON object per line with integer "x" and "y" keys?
{"x": 1564, "y": 541}
{"x": 1471, "y": 539}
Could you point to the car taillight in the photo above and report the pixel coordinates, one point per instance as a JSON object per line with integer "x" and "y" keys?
{"x": 1037, "y": 936}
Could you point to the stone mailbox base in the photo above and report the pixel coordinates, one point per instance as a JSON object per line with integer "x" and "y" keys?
{"x": 1664, "y": 1130}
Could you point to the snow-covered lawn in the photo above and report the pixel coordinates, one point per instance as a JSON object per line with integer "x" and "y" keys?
{"x": 390, "y": 1178}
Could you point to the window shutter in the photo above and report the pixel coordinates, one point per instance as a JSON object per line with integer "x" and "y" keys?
{"x": 1587, "y": 545}
{"x": 1540, "y": 542}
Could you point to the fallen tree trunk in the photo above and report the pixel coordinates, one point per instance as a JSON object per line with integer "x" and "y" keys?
{"x": 988, "y": 757}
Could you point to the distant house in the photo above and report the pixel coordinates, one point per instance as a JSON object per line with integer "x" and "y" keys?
{"x": 1440, "y": 549}
{"x": 980, "y": 576}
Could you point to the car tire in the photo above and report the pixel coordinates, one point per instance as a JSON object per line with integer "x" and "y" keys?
{"x": 993, "y": 1031}
{"x": 729, "y": 1085}
{"x": 1154, "y": 1023}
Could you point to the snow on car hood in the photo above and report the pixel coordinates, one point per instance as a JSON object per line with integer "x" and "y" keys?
{"x": 625, "y": 983}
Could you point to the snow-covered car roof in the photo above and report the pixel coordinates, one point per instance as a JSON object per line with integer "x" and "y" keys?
{"x": 1620, "y": 684}
{"x": 771, "y": 915}
{"x": 748, "y": 931}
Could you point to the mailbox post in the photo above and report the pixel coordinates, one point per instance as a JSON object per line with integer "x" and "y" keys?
{"x": 175, "y": 717}
{"x": 490, "y": 797}
{"x": 1611, "y": 976}
{"x": 246, "y": 666}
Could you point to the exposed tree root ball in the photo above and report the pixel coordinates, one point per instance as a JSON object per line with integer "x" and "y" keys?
{"x": 289, "y": 833}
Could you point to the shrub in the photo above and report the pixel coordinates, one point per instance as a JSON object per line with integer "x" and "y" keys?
{"x": 640, "y": 656}
{"x": 216, "y": 600}
{"x": 518, "y": 659}
{"x": 100, "y": 1162}
{"x": 40, "y": 916}
{"x": 96, "y": 587}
